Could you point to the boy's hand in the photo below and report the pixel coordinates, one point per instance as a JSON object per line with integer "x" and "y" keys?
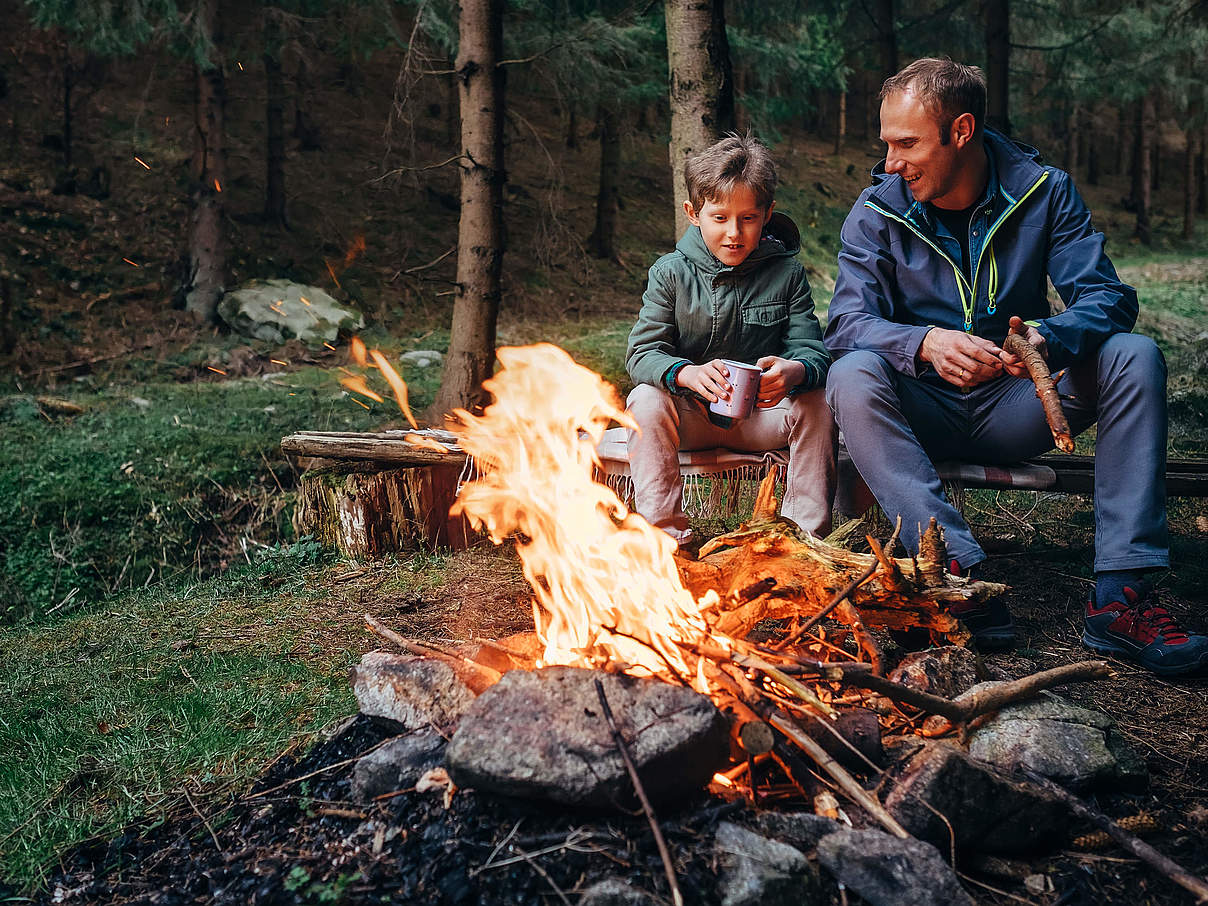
{"x": 1013, "y": 365}
{"x": 709, "y": 380}
{"x": 779, "y": 377}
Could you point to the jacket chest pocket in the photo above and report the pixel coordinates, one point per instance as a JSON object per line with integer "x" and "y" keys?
{"x": 765, "y": 314}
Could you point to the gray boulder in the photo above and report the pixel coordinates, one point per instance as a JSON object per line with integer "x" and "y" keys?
{"x": 946, "y": 671}
{"x": 541, "y": 734}
{"x": 274, "y": 310}
{"x": 887, "y": 871}
{"x": 986, "y": 811}
{"x": 1077, "y": 747}
{"x": 756, "y": 871}
{"x": 410, "y": 693}
{"x": 397, "y": 764}
{"x": 802, "y": 830}
{"x": 421, "y": 358}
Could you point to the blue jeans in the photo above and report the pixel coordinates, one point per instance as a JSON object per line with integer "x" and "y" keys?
{"x": 895, "y": 426}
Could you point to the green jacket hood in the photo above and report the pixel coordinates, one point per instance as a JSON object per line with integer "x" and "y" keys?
{"x": 781, "y": 239}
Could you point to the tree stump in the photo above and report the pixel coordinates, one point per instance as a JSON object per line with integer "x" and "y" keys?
{"x": 365, "y": 512}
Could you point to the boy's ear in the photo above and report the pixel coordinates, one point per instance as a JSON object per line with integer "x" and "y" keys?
{"x": 691, "y": 212}
{"x": 768, "y": 215}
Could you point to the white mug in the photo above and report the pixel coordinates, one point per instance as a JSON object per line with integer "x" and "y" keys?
{"x": 744, "y": 390}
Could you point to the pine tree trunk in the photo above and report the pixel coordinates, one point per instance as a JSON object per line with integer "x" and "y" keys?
{"x": 1143, "y": 182}
{"x": 471, "y": 357}
{"x": 701, "y": 87}
{"x": 1093, "y": 162}
{"x": 68, "y": 85}
{"x": 1189, "y": 188}
{"x": 572, "y": 127}
{"x": 8, "y": 304}
{"x": 841, "y": 123}
{"x": 207, "y": 254}
{"x": 887, "y": 37}
{"x": 996, "y": 17}
{"x": 1201, "y": 197}
{"x": 274, "y": 123}
{"x": 1071, "y": 138}
{"x": 603, "y": 239}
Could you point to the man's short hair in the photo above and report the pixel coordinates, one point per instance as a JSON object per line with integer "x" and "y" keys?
{"x": 945, "y": 88}
{"x": 736, "y": 159}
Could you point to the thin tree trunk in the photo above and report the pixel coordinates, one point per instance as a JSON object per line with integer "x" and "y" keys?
{"x": 1201, "y": 197}
{"x": 841, "y": 122}
{"x": 572, "y": 127}
{"x": 887, "y": 38}
{"x": 204, "y": 284}
{"x": 1093, "y": 162}
{"x": 1189, "y": 188}
{"x": 68, "y": 85}
{"x": 1071, "y": 138}
{"x": 274, "y": 117}
{"x": 471, "y": 357}
{"x": 1143, "y": 181}
{"x": 997, "y": 20}
{"x": 701, "y": 88}
{"x": 603, "y": 239}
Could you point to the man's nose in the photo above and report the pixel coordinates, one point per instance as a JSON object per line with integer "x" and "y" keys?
{"x": 893, "y": 164}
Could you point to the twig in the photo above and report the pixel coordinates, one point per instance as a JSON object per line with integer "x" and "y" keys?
{"x": 1130, "y": 843}
{"x": 846, "y": 782}
{"x": 483, "y": 675}
{"x": 676, "y": 897}
{"x": 423, "y": 267}
{"x": 1046, "y": 389}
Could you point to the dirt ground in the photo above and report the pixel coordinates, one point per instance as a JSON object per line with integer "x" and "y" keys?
{"x": 296, "y": 836}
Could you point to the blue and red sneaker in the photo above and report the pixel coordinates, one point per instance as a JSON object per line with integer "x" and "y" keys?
{"x": 989, "y": 621}
{"x": 1142, "y": 630}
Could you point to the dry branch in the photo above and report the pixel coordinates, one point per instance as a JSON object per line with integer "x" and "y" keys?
{"x": 475, "y": 675}
{"x": 1046, "y": 389}
{"x": 1139, "y": 848}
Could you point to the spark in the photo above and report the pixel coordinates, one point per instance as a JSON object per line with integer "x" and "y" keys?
{"x": 396, "y": 384}
{"x": 358, "y": 402}
{"x": 215, "y": 370}
{"x": 278, "y": 362}
{"x": 240, "y": 65}
{"x": 358, "y": 246}
{"x": 334, "y": 278}
{"x": 131, "y": 263}
{"x": 141, "y": 161}
{"x": 357, "y": 350}
{"x": 329, "y": 346}
{"x": 304, "y": 300}
{"x": 357, "y": 385}
{"x": 217, "y": 185}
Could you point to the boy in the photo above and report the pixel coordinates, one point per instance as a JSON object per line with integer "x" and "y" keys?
{"x": 732, "y": 289}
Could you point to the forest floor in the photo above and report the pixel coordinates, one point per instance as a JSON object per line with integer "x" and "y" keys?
{"x": 170, "y": 649}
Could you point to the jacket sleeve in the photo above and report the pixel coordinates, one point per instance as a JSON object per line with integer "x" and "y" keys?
{"x": 1097, "y": 303}
{"x": 654, "y": 340}
{"x": 803, "y": 340}
{"x": 861, "y": 310}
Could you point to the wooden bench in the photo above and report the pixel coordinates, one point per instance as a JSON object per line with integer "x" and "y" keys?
{"x": 377, "y": 493}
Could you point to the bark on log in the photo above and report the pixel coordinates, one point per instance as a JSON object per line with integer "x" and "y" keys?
{"x": 388, "y": 447}
{"x": 365, "y": 512}
{"x": 1046, "y": 389}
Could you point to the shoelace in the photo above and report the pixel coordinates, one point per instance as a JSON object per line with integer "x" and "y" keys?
{"x": 1159, "y": 619}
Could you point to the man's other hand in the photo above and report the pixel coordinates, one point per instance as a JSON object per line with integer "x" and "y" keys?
{"x": 961, "y": 359}
{"x": 778, "y": 378}
{"x": 1013, "y": 364}
{"x": 709, "y": 380}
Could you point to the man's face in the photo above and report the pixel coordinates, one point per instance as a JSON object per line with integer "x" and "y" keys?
{"x": 732, "y": 226}
{"x": 912, "y": 137}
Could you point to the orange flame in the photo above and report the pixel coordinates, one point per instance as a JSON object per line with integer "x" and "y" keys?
{"x": 358, "y": 246}
{"x": 427, "y": 443}
{"x": 357, "y": 384}
{"x": 396, "y": 384}
{"x": 357, "y": 350}
{"x": 599, "y": 572}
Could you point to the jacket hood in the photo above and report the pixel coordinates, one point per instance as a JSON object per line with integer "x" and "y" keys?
{"x": 1018, "y": 166}
{"x": 781, "y": 239}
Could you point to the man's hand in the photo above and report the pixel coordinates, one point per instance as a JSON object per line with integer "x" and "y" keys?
{"x": 709, "y": 380}
{"x": 1013, "y": 364}
{"x": 961, "y": 359}
{"x": 779, "y": 377}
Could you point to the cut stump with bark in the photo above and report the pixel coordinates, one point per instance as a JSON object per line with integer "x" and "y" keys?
{"x": 366, "y": 512}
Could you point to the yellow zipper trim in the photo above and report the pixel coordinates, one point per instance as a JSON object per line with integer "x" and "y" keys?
{"x": 990, "y": 309}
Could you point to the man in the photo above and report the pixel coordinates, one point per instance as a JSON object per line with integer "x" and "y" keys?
{"x": 946, "y": 252}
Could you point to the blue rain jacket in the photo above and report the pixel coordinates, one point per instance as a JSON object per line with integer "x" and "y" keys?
{"x": 898, "y": 277}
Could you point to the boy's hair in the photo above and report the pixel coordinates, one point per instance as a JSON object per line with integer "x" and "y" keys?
{"x": 945, "y": 88}
{"x": 713, "y": 174}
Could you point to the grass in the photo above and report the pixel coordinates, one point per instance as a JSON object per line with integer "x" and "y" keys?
{"x": 113, "y": 712}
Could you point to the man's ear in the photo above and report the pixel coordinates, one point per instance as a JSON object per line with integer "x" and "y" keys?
{"x": 691, "y": 212}
{"x": 964, "y": 127}
{"x": 768, "y": 215}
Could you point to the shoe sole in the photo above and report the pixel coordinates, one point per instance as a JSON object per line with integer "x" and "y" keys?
{"x": 1125, "y": 654}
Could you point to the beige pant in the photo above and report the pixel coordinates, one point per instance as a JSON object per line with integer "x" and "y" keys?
{"x": 669, "y": 424}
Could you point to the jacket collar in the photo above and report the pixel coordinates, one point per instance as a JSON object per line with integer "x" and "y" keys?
{"x": 781, "y": 239}
{"x": 1016, "y": 165}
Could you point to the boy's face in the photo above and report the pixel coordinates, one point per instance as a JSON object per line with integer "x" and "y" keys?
{"x": 731, "y": 226}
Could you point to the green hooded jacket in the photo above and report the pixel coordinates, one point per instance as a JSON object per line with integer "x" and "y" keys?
{"x": 696, "y": 309}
